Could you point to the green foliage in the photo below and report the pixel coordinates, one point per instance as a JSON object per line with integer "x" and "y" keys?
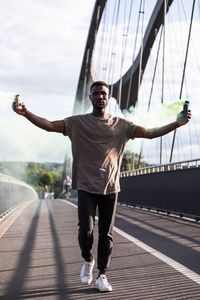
{"x": 131, "y": 161}
{"x": 36, "y": 174}
{"x": 15, "y": 169}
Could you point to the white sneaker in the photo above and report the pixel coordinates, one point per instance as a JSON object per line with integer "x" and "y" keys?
{"x": 86, "y": 272}
{"x": 102, "y": 284}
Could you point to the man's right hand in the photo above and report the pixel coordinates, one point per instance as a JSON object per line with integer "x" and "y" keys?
{"x": 53, "y": 126}
{"x": 20, "y": 109}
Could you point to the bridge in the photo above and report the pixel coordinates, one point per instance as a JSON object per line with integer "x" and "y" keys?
{"x": 156, "y": 253}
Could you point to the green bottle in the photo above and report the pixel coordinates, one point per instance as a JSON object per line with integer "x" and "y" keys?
{"x": 185, "y": 108}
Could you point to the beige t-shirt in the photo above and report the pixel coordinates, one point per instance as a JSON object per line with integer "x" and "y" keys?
{"x": 97, "y": 149}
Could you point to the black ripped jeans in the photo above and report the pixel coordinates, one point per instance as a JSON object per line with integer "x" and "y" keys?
{"x": 87, "y": 205}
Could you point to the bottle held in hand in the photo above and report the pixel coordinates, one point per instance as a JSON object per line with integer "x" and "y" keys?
{"x": 17, "y": 102}
{"x": 185, "y": 108}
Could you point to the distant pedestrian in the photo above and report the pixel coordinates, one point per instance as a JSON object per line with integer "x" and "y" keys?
{"x": 98, "y": 141}
{"x": 46, "y": 192}
{"x": 67, "y": 186}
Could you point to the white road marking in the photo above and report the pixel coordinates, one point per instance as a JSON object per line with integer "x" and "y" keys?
{"x": 169, "y": 261}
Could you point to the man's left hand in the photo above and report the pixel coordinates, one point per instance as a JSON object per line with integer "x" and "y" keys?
{"x": 182, "y": 120}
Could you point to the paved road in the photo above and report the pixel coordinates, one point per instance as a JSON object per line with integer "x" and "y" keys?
{"x": 156, "y": 258}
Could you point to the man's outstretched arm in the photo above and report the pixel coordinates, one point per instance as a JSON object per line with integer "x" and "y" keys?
{"x": 54, "y": 126}
{"x": 150, "y": 133}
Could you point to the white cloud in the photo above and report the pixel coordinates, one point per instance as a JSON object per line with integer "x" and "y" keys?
{"x": 41, "y": 49}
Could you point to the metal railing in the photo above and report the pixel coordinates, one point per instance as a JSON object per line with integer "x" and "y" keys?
{"x": 194, "y": 163}
{"x": 14, "y": 191}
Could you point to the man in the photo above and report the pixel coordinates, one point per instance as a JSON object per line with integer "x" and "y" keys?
{"x": 98, "y": 141}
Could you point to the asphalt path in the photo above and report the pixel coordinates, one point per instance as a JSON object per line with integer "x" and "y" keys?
{"x": 154, "y": 256}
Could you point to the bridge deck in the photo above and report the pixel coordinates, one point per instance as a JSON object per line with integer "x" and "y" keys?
{"x": 40, "y": 257}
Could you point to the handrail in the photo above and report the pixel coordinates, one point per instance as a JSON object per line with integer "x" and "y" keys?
{"x": 14, "y": 191}
{"x": 193, "y": 163}
{"x": 10, "y": 179}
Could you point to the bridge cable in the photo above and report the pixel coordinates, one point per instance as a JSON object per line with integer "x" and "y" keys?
{"x": 141, "y": 49}
{"x": 101, "y": 50}
{"x": 163, "y": 73}
{"x": 155, "y": 69}
{"x": 133, "y": 56}
{"x": 183, "y": 76}
{"x": 151, "y": 91}
{"x": 180, "y": 6}
{"x": 113, "y": 52}
{"x": 198, "y": 67}
{"x": 180, "y": 144}
{"x": 109, "y": 43}
{"x": 141, "y": 13}
{"x": 124, "y": 46}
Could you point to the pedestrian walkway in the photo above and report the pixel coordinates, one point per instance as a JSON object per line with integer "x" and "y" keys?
{"x": 40, "y": 259}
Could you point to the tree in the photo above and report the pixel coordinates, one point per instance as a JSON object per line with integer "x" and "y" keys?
{"x": 131, "y": 161}
{"x": 35, "y": 174}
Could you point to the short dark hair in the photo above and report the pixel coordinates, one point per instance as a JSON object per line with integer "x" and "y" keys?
{"x": 99, "y": 83}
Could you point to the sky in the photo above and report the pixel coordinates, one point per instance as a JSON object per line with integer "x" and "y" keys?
{"x": 41, "y": 48}
{"x": 187, "y": 142}
{"x": 42, "y": 44}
